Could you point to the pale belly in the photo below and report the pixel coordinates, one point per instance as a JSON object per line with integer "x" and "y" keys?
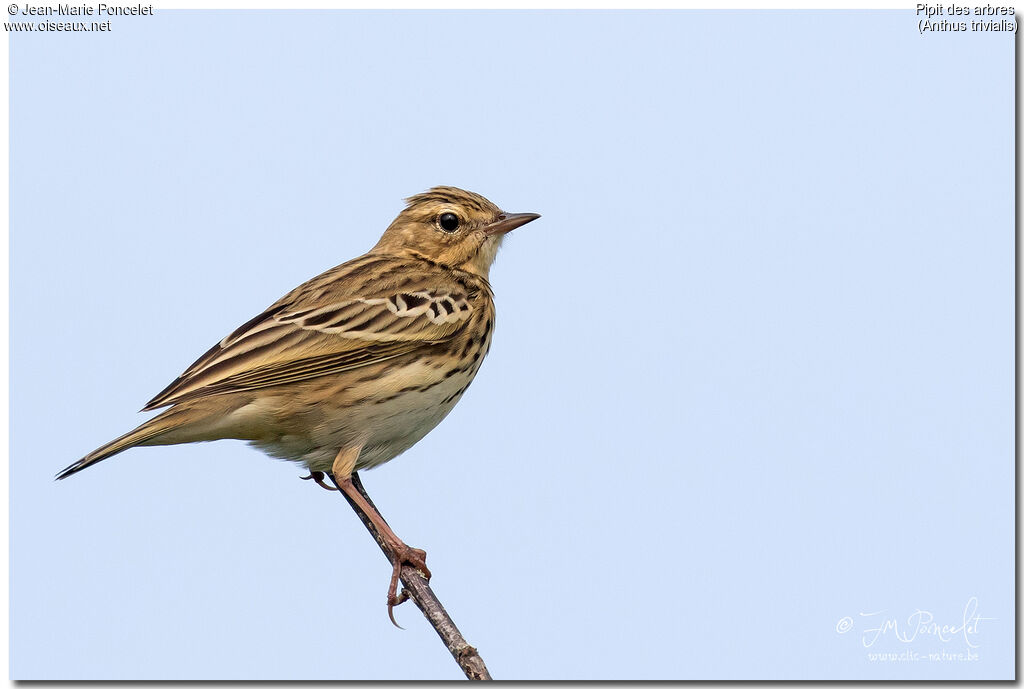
{"x": 384, "y": 423}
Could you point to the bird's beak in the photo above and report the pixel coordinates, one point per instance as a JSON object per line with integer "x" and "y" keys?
{"x": 507, "y": 222}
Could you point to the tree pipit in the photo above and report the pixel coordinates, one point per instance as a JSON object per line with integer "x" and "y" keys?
{"x": 353, "y": 367}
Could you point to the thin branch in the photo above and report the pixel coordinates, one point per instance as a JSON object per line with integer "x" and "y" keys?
{"x": 418, "y": 588}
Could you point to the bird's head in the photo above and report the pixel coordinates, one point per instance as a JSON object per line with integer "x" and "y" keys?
{"x": 451, "y": 226}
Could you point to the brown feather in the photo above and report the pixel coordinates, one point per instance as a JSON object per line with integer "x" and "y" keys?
{"x": 303, "y": 335}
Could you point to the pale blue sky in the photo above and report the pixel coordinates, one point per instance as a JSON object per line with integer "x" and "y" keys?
{"x": 752, "y": 374}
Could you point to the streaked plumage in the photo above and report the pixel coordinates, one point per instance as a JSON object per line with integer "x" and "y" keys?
{"x": 367, "y": 357}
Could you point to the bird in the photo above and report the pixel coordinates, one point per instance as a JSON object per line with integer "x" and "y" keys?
{"x": 353, "y": 367}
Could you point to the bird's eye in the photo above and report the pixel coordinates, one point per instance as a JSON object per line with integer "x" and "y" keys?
{"x": 449, "y": 222}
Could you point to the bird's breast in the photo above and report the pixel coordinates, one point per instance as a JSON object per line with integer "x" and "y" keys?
{"x": 423, "y": 393}
{"x": 389, "y": 406}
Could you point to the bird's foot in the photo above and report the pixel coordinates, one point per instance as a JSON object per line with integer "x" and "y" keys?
{"x": 318, "y": 476}
{"x": 404, "y": 556}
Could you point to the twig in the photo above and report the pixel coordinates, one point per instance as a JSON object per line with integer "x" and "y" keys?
{"x": 418, "y": 588}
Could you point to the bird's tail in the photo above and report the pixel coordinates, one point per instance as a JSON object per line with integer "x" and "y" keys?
{"x": 149, "y": 431}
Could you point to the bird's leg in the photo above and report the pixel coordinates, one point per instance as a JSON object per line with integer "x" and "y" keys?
{"x": 397, "y": 551}
{"x": 318, "y": 476}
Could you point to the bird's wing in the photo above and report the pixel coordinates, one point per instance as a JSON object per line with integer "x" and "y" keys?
{"x": 366, "y": 311}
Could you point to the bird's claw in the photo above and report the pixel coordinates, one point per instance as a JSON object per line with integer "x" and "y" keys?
{"x": 410, "y": 556}
{"x": 396, "y": 600}
{"x": 318, "y": 476}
